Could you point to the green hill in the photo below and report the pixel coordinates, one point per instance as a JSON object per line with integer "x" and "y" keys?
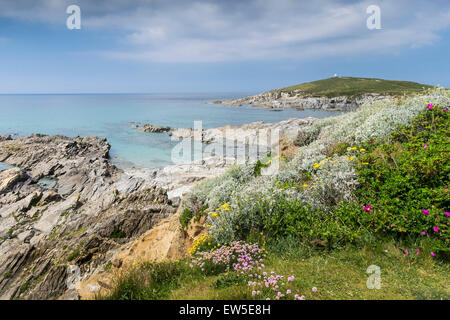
{"x": 350, "y": 86}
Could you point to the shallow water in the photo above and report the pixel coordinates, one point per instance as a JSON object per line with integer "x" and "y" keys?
{"x": 4, "y": 166}
{"x": 110, "y": 116}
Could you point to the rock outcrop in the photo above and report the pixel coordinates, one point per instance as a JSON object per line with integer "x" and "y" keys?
{"x": 153, "y": 129}
{"x": 92, "y": 215}
{"x": 297, "y": 99}
{"x": 247, "y": 133}
{"x": 76, "y": 224}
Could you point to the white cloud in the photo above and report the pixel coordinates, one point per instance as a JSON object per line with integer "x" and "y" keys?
{"x": 212, "y": 31}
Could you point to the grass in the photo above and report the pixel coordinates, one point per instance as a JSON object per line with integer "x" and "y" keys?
{"x": 350, "y": 86}
{"x": 338, "y": 275}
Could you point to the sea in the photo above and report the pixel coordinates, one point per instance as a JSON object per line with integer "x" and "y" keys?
{"x": 111, "y": 116}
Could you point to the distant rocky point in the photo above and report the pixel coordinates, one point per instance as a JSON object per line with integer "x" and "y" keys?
{"x": 337, "y": 93}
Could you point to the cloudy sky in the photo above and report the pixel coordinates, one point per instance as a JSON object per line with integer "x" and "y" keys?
{"x": 217, "y": 46}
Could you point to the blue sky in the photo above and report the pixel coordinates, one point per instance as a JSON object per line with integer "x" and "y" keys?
{"x": 217, "y": 46}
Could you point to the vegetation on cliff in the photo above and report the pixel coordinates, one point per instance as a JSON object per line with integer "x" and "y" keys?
{"x": 353, "y": 86}
{"x": 366, "y": 188}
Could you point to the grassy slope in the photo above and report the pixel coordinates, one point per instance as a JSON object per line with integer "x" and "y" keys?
{"x": 350, "y": 86}
{"x": 339, "y": 274}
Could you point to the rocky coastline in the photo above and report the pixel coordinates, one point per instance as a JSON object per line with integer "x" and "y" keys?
{"x": 65, "y": 208}
{"x": 296, "y": 99}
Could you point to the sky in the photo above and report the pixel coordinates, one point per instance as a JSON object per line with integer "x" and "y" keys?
{"x": 137, "y": 46}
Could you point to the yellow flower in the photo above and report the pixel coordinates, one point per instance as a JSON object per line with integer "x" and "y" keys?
{"x": 316, "y": 165}
{"x": 237, "y": 227}
{"x": 208, "y": 226}
{"x": 353, "y": 148}
{"x": 362, "y": 150}
{"x": 305, "y": 185}
{"x": 365, "y": 163}
{"x": 214, "y": 214}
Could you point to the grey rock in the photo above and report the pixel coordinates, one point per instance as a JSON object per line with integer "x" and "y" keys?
{"x": 297, "y": 99}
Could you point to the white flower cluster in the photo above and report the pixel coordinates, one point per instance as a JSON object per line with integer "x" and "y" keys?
{"x": 326, "y": 178}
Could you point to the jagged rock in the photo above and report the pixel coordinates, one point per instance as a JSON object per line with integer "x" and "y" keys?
{"x": 8, "y": 178}
{"x": 77, "y": 222}
{"x": 297, "y": 99}
{"x": 153, "y": 129}
{"x": 93, "y": 212}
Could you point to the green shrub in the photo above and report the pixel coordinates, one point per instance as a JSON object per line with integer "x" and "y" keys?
{"x": 185, "y": 217}
{"x": 117, "y": 233}
{"x": 75, "y": 253}
{"x": 228, "y": 280}
{"x": 148, "y": 281}
{"x": 409, "y": 173}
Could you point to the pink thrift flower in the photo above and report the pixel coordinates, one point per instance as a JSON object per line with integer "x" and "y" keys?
{"x": 288, "y": 291}
{"x": 424, "y": 146}
{"x": 423, "y": 233}
{"x": 447, "y": 214}
{"x": 436, "y": 229}
{"x": 406, "y": 252}
{"x": 371, "y": 142}
{"x": 392, "y": 226}
{"x": 314, "y": 289}
{"x": 430, "y": 106}
{"x": 368, "y": 208}
{"x": 432, "y": 253}
{"x": 417, "y": 252}
{"x": 425, "y": 212}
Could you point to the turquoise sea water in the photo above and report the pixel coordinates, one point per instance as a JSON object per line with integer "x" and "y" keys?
{"x": 4, "y": 166}
{"x": 110, "y": 116}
